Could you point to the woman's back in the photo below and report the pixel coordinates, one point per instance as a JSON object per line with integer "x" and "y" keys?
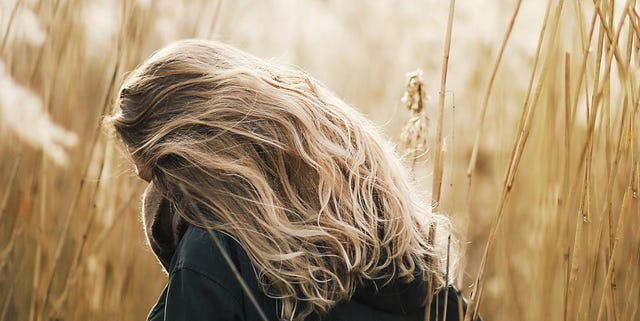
{"x": 203, "y": 285}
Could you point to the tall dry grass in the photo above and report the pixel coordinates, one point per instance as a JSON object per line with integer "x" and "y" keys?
{"x": 533, "y": 140}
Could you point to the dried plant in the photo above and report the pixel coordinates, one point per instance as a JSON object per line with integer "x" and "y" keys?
{"x": 416, "y": 130}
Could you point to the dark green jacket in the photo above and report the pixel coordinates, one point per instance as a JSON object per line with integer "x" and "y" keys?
{"x": 202, "y": 286}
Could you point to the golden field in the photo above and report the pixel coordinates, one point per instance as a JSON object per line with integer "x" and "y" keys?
{"x": 535, "y": 132}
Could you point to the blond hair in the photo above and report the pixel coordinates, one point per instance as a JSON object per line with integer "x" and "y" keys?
{"x": 306, "y": 184}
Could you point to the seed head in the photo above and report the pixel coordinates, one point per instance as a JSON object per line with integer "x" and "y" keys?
{"x": 415, "y": 131}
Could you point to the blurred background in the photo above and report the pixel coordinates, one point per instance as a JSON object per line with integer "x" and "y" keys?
{"x": 546, "y": 204}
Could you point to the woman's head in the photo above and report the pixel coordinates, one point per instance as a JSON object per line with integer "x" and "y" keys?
{"x": 305, "y": 183}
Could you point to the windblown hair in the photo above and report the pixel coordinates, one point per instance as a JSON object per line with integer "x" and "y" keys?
{"x": 306, "y": 184}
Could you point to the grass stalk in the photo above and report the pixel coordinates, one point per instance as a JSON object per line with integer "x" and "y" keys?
{"x": 83, "y": 241}
{"x": 64, "y": 233}
{"x": 38, "y": 255}
{"x": 438, "y": 162}
{"x": 487, "y": 95}
{"x": 626, "y": 206}
{"x": 5, "y": 304}
{"x": 518, "y": 148}
{"x": 8, "y": 189}
{"x": 7, "y": 32}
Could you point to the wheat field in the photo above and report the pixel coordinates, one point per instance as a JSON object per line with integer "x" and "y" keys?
{"x": 529, "y": 141}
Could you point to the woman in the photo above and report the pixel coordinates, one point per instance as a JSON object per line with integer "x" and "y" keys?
{"x": 271, "y": 199}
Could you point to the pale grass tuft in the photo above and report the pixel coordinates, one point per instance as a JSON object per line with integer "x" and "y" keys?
{"x": 101, "y": 25}
{"x": 24, "y": 25}
{"x": 22, "y": 112}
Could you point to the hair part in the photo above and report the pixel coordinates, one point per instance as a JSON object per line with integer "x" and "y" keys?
{"x": 304, "y": 182}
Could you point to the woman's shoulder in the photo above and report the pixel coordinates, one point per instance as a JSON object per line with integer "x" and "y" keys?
{"x": 202, "y": 284}
{"x": 207, "y": 252}
{"x": 212, "y": 265}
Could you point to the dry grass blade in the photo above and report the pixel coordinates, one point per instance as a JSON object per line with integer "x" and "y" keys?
{"x": 12, "y": 177}
{"x": 439, "y": 152}
{"x": 5, "y": 253}
{"x": 567, "y": 118}
{"x": 64, "y": 233}
{"x": 78, "y": 254}
{"x": 5, "y": 37}
{"x": 216, "y": 18}
{"x": 626, "y": 207}
{"x": 438, "y": 162}
{"x": 512, "y": 168}
{"x": 446, "y": 280}
{"x": 38, "y": 253}
{"x": 613, "y": 38}
{"x": 5, "y": 304}
{"x": 487, "y": 95}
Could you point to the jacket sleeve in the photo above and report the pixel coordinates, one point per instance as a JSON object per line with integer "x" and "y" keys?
{"x": 192, "y": 295}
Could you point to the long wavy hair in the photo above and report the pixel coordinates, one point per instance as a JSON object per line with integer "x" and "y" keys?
{"x": 307, "y": 185}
